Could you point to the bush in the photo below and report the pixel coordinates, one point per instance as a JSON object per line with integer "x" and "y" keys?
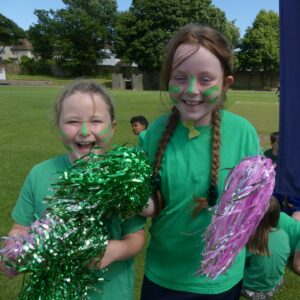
{"x": 31, "y": 66}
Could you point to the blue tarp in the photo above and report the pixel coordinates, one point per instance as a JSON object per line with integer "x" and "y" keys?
{"x": 288, "y": 162}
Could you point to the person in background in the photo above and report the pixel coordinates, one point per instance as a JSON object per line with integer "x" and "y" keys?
{"x": 272, "y": 152}
{"x": 292, "y": 227}
{"x": 192, "y": 149}
{"x": 85, "y": 117}
{"x": 139, "y": 126}
{"x": 268, "y": 250}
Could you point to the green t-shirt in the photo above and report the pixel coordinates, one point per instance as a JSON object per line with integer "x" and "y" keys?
{"x": 141, "y": 138}
{"x": 174, "y": 252}
{"x": 263, "y": 273}
{"x": 292, "y": 228}
{"x": 119, "y": 280}
{"x": 269, "y": 153}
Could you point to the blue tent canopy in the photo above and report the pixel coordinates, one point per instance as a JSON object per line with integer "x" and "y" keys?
{"x": 288, "y": 163}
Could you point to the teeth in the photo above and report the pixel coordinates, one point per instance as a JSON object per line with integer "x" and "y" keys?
{"x": 85, "y": 143}
{"x": 192, "y": 103}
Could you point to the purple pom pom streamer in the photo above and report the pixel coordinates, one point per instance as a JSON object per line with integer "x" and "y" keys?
{"x": 243, "y": 203}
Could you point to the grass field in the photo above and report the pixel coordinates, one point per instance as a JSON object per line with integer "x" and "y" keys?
{"x": 28, "y": 136}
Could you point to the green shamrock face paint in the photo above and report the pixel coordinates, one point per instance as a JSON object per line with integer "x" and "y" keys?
{"x": 68, "y": 147}
{"x": 212, "y": 94}
{"x": 105, "y": 134}
{"x": 174, "y": 89}
{"x": 84, "y": 129}
{"x": 191, "y": 88}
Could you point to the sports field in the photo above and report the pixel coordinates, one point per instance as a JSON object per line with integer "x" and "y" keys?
{"x": 28, "y": 135}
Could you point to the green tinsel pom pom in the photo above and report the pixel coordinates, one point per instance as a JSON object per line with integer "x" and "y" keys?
{"x": 59, "y": 247}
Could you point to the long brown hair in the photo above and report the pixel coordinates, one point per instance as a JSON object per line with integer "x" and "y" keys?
{"x": 214, "y": 41}
{"x": 258, "y": 242}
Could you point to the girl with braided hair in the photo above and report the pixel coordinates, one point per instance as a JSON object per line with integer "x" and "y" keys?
{"x": 192, "y": 149}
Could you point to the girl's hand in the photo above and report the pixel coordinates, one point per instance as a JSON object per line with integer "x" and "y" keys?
{"x": 19, "y": 230}
{"x": 7, "y": 271}
{"x": 117, "y": 250}
{"x": 149, "y": 209}
{"x": 110, "y": 255}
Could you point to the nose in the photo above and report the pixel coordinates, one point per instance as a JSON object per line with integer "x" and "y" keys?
{"x": 84, "y": 129}
{"x": 193, "y": 86}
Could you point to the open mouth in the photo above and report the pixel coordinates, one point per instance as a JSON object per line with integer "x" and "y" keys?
{"x": 85, "y": 145}
{"x": 192, "y": 102}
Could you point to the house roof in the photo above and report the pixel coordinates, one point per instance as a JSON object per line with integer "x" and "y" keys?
{"x": 24, "y": 45}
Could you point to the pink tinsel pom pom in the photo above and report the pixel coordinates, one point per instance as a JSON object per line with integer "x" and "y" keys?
{"x": 243, "y": 203}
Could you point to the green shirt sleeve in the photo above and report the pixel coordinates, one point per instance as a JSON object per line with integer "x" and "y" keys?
{"x": 24, "y": 211}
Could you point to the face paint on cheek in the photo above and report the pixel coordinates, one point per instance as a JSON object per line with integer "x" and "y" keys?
{"x": 212, "y": 94}
{"x": 191, "y": 88}
{"x": 65, "y": 136}
{"x": 105, "y": 134}
{"x": 84, "y": 129}
{"x": 175, "y": 90}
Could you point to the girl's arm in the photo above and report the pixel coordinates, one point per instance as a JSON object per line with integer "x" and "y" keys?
{"x": 16, "y": 229}
{"x": 116, "y": 250}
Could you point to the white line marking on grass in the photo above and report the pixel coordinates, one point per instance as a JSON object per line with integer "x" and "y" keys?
{"x": 251, "y": 103}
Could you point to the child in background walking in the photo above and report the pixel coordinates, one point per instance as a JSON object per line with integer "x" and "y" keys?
{"x": 85, "y": 117}
{"x": 267, "y": 254}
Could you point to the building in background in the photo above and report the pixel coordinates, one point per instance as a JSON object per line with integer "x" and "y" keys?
{"x": 15, "y": 52}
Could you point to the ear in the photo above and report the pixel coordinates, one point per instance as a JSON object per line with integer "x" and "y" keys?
{"x": 113, "y": 127}
{"x": 228, "y": 82}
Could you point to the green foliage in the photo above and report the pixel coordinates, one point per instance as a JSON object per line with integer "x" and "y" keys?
{"x": 10, "y": 32}
{"x": 75, "y": 36}
{"x": 32, "y": 66}
{"x": 41, "y": 34}
{"x": 142, "y": 32}
{"x": 259, "y": 50}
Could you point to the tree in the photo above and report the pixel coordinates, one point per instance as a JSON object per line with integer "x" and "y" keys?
{"x": 259, "y": 49}
{"x": 142, "y": 32}
{"x": 75, "y": 36}
{"x": 41, "y": 35}
{"x": 10, "y": 33}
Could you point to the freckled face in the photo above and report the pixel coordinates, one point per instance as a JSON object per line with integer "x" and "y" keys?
{"x": 85, "y": 122}
{"x": 196, "y": 83}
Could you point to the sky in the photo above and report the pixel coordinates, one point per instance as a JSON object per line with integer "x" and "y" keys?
{"x": 243, "y": 12}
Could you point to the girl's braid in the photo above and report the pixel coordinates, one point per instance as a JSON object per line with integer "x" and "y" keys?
{"x": 215, "y": 166}
{"x": 215, "y": 147}
{"x": 172, "y": 123}
{"x": 157, "y": 195}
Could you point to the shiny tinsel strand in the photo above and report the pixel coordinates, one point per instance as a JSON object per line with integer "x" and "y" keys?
{"x": 59, "y": 247}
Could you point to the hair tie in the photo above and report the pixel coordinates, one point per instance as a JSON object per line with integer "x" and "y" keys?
{"x": 213, "y": 195}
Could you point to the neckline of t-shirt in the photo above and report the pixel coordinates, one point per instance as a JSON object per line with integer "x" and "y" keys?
{"x": 204, "y": 128}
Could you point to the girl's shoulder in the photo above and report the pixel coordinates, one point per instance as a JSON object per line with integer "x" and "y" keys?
{"x": 233, "y": 119}
{"x": 60, "y": 162}
{"x": 159, "y": 122}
